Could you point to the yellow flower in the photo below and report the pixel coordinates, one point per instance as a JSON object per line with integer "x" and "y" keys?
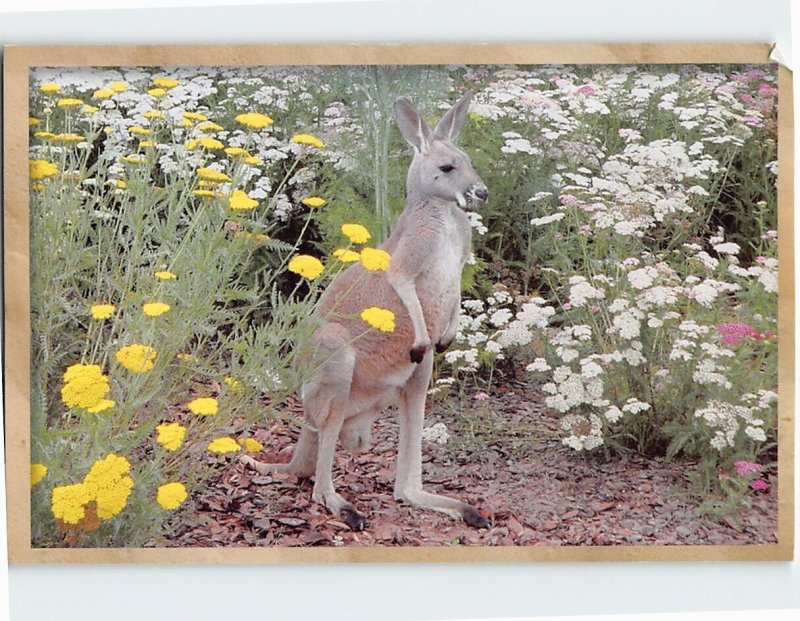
{"x": 346, "y": 256}
{"x": 210, "y": 126}
{"x": 314, "y": 202}
{"x": 45, "y": 135}
{"x": 206, "y": 194}
{"x": 118, "y": 87}
{"x": 37, "y": 473}
{"x": 68, "y": 502}
{"x": 379, "y": 318}
{"x": 33, "y": 121}
{"x": 41, "y": 169}
{"x": 147, "y": 143}
{"x": 171, "y": 495}
{"x": 308, "y": 139}
{"x": 251, "y": 445}
{"x": 232, "y": 383}
{"x": 241, "y": 201}
{"x": 204, "y": 406}
{"x": 209, "y": 174}
{"x": 69, "y": 138}
{"x": 375, "y": 259}
{"x": 103, "y": 93}
{"x": 224, "y": 445}
{"x": 137, "y": 358}
{"x": 170, "y": 435}
{"x": 253, "y": 160}
{"x": 120, "y": 184}
{"x": 356, "y": 233}
{"x": 235, "y": 151}
{"x": 194, "y": 116}
{"x": 157, "y": 92}
{"x": 165, "y": 275}
{"x": 69, "y": 102}
{"x": 154, "y": 309}
{"x": 166, "y": 83}
{"x": 50, "y": 88}
{"x": 103, "y": 311}
{"x": 306, "y": 266}
{"x": 84, "y": 386}
{"x": 254, "y": 120}
{"x": 102, "y": 406}
{"x": 153, "y": 114}
{"x": 133, "y": 159}
{"x": 109, "y": 485}
{"x": 89, "y": 109}
{"x": 139, "y": 131}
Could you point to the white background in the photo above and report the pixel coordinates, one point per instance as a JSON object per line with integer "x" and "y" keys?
{"x": 400, "y": 592}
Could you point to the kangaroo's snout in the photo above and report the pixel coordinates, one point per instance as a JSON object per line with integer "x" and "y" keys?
{"x": 482, "y": 193}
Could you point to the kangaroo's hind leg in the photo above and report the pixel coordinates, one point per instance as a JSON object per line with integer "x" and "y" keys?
{"x": 408, "y": 479}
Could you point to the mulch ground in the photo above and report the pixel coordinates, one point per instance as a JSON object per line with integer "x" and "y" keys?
{"x": 505, "y": 457}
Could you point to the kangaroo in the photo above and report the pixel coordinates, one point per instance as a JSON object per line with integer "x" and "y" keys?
{"x": 359, "y": 372}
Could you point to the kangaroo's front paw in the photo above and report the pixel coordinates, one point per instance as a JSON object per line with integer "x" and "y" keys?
{"x": 418, "y": 353}
{"x": 443, "y": 345}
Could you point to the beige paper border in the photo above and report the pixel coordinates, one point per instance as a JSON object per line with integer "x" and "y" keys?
{"x": 19, "y": 60}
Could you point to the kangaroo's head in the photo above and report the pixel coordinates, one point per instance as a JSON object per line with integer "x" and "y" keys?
{"x": 439, "y": 168}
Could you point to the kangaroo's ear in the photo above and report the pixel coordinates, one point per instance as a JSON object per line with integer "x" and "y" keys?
{"x": 453, "y": 120}
{"x": 412, "y": 126}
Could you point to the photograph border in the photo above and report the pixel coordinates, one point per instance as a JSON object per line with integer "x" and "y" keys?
{"x": 19, "y": 60}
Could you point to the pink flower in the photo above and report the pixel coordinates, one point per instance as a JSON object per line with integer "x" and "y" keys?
{"x": 735, "y": 333}
{"x": 480, "y": 396}
{"x": 746, "y": 468}
{"x": 588, "y": 89}
{"x": 764, "y": 89}
{"x": 760, "y": 485}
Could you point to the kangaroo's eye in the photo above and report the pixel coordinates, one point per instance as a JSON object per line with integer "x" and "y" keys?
{"x": 446, "y": 168}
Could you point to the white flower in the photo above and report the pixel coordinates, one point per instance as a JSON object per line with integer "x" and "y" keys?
{"x": 538, "y": 366}
{"x": 756, "y": 433}
{"x": 581, "y": 291}
{"x": 727, "y": 248}
{"x": 613, "y": 414}
{"x": 500, "y": 317}
{"x": 436, "y": 433}
{"x": 642, "y": 278}
{"x": 559, "y": 215}
{"x": 634, "y": 406}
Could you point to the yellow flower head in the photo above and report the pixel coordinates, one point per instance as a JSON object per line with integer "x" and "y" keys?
{"x": 356, "y": 233}
{"x": 194, "y": 116}
{"x": 32, "y": 121}
{"x": 346, "y": 256}
{"x": 157, "y": 92}
{"x": 37, "y": 473}
{"x": 85, "y": 386}
{"x": 90, "y": 109}
{"x": 165, "y": 275}
{"x": 314, "y": 202}
{"x": 137, "y": 358}
{"x": 251, "y": 445}
{"x": 154, "y": 309}
{"x": 241, "y": 201}
{"x": 50, "y": 88}
{"x": 170, "y": 435}
{"x": 306, "y": 266}
{"x": 215, "y": 176}
{"x": 103, "y": 93}
{"x": 153, "y": 114}
{"x": 210, "y": 126}
{"x": 69, "y": 138}
{"x": 68, "y": 502}
{"x": 45, "y": 135}
{"x": 233, "y": 383}
{"x": 204, "y": 406}
{"x": 102, "y": 311}
{"x": 206, "y": 194}
{"x": 41, "y": 169}
{"x": 102, "y": 406}
{"x": 254, "y": 120}
{"x": 109, "y": 485}
{"x": 379, "y": 318}
{"x": 165, "y": 83}
{"x": 171, "y": 495}
{"x": 236, "y": 151}
{"x": 309, "y": 140}
{"x": 118, "y": 87}
{"x": 69, "y": 102}
{"x": 133, "y": 159}
{"x": 139, "y": 131}
{"x": 224, "y": 445}
{"x": 375, "y": 259}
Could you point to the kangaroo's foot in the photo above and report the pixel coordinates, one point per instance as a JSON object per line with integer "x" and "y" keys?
{"x": 443, "y": 344}
{"x": 443, "y": 504}
{"x": 338, "y": 506}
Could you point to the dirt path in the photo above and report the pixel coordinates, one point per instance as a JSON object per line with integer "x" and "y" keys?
{"x": 505, "y": 458}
